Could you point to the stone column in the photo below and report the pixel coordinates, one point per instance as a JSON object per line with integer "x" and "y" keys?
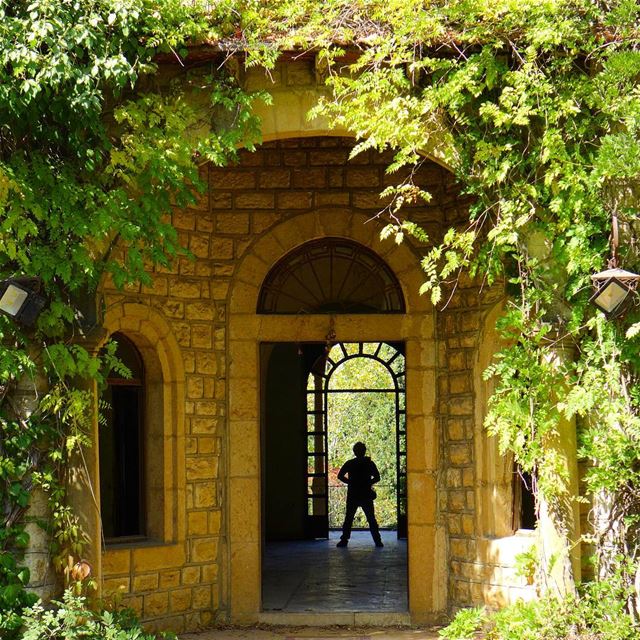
{"x": 37, "y": 557}
{"x": 559, "y": 518}
{"x": 83, "y": 495}
{"x": 83, "y": 477}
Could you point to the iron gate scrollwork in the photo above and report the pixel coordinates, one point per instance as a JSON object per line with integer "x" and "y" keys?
{"x": 391, "y": 356}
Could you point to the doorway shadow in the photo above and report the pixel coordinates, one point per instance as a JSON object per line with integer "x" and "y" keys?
{"x": 315, "y": 576}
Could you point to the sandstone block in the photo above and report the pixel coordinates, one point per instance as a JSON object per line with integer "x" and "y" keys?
{"x": 460, "y": 383}
{"x": 183, "y": 219}
{"x": 455, "y": 429}
{"x": 184, "y": 288}
{"x": 461, "y": 406}
{"x": 116, "y": 561}
{"x": 294, "y": 158}
{"x": 367, "y": 200}
{"x": 467, "y": 477}
{"x": 272, "y": 158}
{"x": 197, "y": 523}
{"x": 470, "y": 321}
{"x": 275, "y": 179}
{"x": 146, "y": 582}
{"x": 205, "y": 495}
{"x": 256, "y": 200}
{"x": 221, "y": 200}
{"x": 170, "y": 308}
{"x": 210, "y": 573}
{"x": 457, "y": 360}
{"x": 201, "y": 468}
{"x": 156, "y": 604}
{"x": 158, "y": 287}
{"x": 199, "y": 311}
{"x": 206, "y": 363}
{"x": 467, "y": 525}
{"x": 201, "y": 336}
{"x": 333, "y": 156}
{"x": 208, "y": 444}
{"x": 457, "y": 500}
{"x": 204, "y": 549}
{"x": 309, "y": 178}
{"x": 363, "y": 177}
{"x": 116, "y": 586}
{"x": 202, "y": 597}
{"x": 454, "y": 478}
{"x": 203, "y": 425}
{"x": 458, "y": 547}
{"x": 226, "y": 178}
{"x": 336, "y": 177}
{"x": 199, "y": 245}
{"x": 191, "y": 575}
{"x": 263, "y": 220}
{"x": 460, "y": 454}
{"x": 219, "y": 289}
{"x": 180, "y": 600}
{"x": 295, "y": 200}
{"x": 135, "y": 603}
{"x": 221, "y": 249}
{"x": 169, "y": 579}
{"x": 232, "y": 223}
{"x": 332, "y": 198}
{"x": 215, "y": 521}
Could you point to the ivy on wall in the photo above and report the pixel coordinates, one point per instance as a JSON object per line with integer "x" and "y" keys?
{"x": 535, "y": 106}
{"x": 93, "y": 153}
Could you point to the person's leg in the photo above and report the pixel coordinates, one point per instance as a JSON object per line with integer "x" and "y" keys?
{"x": 352, "y": 507}
{"x": 370, "y": 514}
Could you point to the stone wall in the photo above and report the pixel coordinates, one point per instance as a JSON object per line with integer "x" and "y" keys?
{"x": 185, "y": 587}
{"x": 181, "y": 582}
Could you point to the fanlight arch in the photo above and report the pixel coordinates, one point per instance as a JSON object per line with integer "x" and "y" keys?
{"x": 331, "y": 275}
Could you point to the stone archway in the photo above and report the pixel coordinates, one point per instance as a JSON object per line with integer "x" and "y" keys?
{"x": 427, "y": 580}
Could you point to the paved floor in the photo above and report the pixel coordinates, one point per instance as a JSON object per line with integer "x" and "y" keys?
{"x": 315, "y": 576}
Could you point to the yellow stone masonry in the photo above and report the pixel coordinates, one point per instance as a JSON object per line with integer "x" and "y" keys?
{"x": 198, "y": 323}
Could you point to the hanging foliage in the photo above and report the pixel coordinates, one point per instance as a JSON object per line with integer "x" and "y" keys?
{"x": 535, "y": 107}
{"x": 92, "y": 155}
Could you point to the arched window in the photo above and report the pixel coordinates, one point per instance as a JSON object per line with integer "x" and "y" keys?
{"x": 121, "y": 445}
{"x": 331, "y": 275}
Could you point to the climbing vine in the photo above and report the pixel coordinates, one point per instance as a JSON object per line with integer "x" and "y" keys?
{"x": 535, "y": 106}
{"x": 93, "y": 153}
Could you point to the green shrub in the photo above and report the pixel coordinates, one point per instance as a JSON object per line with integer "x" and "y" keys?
{"x": 465, "y": 624}
{"x": 598, "y": 612}
{"x": 71, "y": 619}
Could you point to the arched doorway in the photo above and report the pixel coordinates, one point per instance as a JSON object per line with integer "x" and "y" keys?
{"x": 327, "y": 276}
{"x": 249, "y": 329}
{"x": 359, "y": 393}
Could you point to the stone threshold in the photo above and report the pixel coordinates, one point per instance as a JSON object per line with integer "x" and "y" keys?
{"x": 336, "y": 618}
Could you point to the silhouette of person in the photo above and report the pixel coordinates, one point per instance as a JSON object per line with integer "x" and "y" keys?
{"x": 359, "y": 474}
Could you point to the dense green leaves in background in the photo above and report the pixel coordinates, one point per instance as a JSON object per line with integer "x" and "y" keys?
{"x": 364, "y": 416}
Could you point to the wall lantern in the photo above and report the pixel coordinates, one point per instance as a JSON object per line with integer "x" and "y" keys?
{"x": 613, "y": 286}
{"x": 21, "y": 300}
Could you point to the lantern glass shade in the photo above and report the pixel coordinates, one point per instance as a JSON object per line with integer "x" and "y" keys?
{"x": 13, "y": 300}
{"x": 610, "y": 295}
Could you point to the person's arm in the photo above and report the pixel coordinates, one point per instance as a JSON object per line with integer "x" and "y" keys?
{"x": 344, "y": 469}
{"x": 375, "y": 474}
